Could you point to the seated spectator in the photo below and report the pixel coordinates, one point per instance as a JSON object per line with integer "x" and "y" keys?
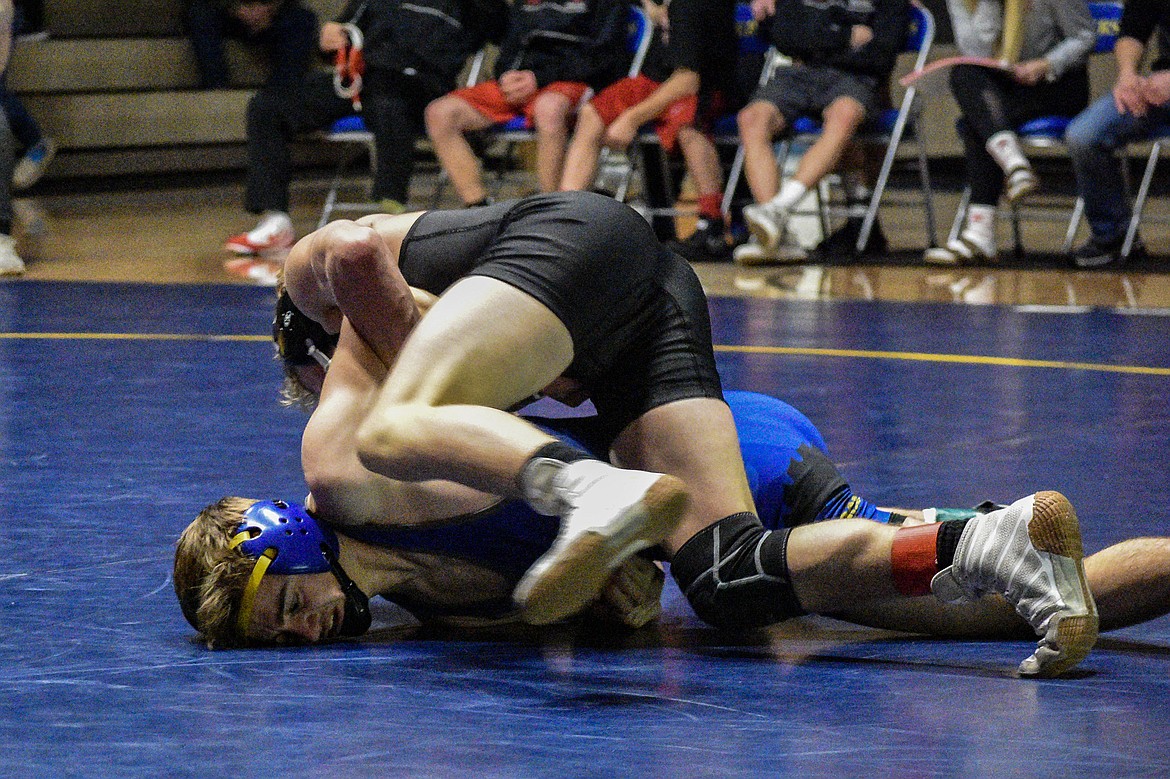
{"x": 551, "y": 54}
{"x": 842, "y": 56}
{"x": 1136, "y": 105}
{"x": 283, "y": 28}
{"x": 10, "y": 262}
{"x": 1051, "y": 79}
{"x": 413, "y": 53}
{"x": 686, "y": 80}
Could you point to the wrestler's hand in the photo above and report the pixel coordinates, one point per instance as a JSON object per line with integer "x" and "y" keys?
{"x": 633, "y": 596}
{"x": 518, "y": 86}
{"x": 1127, "y": 95}
{"x": 763, "y": 8}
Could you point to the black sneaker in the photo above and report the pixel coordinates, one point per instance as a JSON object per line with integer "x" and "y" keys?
{"x": 707, "y": 244}
{"x": 842, "y": 242}
{"x": 1098, "y": 254}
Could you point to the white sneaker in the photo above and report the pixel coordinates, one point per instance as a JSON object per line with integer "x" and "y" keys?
{"x": 1031, "y": 553}
{"x": 10, "y": 262}
{"x": 610, "y": 514}
{"x": 767, "y": 223}
{"x": 754, "y": 253}
{"x": 1020, "y": 183}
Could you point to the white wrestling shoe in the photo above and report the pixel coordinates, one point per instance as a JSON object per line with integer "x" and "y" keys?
{"x": 609, "y": 514}
{"x": 1031, "y": 553}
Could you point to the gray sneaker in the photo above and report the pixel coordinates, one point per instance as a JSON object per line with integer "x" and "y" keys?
{"x": 607, "y": 515}
{"x": 1030, "y": 553}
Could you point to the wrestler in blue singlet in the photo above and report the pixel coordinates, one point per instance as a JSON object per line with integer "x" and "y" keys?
{"x": 791, "y": 478}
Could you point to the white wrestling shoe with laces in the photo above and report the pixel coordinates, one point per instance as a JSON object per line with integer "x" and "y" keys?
{"x": 1031, "y": 553}
{"x": 607, "y": 515}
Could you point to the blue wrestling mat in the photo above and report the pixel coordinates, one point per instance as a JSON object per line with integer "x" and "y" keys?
{"x": 126, "y": 408}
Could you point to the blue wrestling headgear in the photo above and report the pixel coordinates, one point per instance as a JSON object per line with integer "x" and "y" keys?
{"x": 285, "y": 539}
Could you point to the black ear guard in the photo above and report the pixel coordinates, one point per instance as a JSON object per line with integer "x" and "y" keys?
{"x": 300, "y": 340}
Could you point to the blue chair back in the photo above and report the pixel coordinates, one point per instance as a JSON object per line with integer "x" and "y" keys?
{"x": 1108, "y": 18}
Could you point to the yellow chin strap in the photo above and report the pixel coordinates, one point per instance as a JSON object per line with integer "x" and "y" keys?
{"x": 262, "y": 562}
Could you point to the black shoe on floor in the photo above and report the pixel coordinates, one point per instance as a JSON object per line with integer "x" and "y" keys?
{"x": 1099, "y": 254}
{"x": 842, "y": 242}
{"x": 707, "y": 244}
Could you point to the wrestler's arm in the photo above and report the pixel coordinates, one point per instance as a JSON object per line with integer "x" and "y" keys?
{"x": 350, "y": 269}
{"x": 342, "y": 491}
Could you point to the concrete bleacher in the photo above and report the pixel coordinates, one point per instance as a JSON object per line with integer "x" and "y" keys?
{"x": 116, "y": 85}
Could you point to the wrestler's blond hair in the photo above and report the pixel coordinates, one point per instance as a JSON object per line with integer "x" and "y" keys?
{"x": 210, "y": 577}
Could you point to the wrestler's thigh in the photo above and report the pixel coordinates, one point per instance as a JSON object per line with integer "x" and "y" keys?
{"x": 484, "y": 342}
{"x": 695, "y": 440}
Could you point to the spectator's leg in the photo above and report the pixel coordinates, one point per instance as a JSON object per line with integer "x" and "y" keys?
{"x": 204, "y": 23}
{"x": 448, "y": 119}
{"x": 759, "y": 122}
{"x": 1093, "y": 138}
{"x": 551, "y": 112}
{"x": 584, "y": 150}
{"x": 291, "y": 42}
{"x": 842, "y": 117}
{"x": 393, "y": 109}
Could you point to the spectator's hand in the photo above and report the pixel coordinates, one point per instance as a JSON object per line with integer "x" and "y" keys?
{"x": 621, "y": 132}
{"x": 1156, "y": 88}
{"x": 859, "y": 35}
{"x": 657, "y": 14}
{"x": 333, "y": 37}
{"x": 761, "y": 9}
{"x": 1128, "y": 95}
{"x": 256, "y": 16}
{"x": 518, "y": 86}
{"x": 1031, "y": 72}
{"x": 633, "y": 595}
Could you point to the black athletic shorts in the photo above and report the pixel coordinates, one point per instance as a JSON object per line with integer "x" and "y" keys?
{"x": 635, "y": 311}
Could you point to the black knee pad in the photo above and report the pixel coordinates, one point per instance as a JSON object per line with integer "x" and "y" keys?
{"x": 735, "y": 574}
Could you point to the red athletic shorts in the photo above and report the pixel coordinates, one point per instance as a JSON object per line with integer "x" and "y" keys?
{"x": 487, "y": 99}
{"x": 624, "y": 94}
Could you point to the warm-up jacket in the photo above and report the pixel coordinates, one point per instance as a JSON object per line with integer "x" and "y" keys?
{"x": 567, "y": 40}
{"x": 817, "y": 32}
{"x": 428, "y": 39}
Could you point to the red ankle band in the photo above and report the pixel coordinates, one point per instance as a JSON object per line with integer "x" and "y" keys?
{"x": 913, "y": 558}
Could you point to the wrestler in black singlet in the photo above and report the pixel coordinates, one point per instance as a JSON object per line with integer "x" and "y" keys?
{"x": 635, "y": 311}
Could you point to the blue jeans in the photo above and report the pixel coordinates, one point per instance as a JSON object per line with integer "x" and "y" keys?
{"x": 1093, "y": 139}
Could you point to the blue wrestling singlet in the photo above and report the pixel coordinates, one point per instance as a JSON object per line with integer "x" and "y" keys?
{"x": 791, "y": 478}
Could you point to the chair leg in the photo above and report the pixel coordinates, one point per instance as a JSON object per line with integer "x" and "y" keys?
{"x": 1139, "y": 203}
{"x": 960, "y": 215}
{"x": 732, "y": 182}
{"x": 1017, "y": 234}
{"x": 1074, "y": 222}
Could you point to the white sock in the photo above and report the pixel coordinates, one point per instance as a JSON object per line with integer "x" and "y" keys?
{"x": 1004, "y": 148}
{"x": 790, "y": 194}
{"x": 980, "y": 227}
{"x": 270, "y": 224}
